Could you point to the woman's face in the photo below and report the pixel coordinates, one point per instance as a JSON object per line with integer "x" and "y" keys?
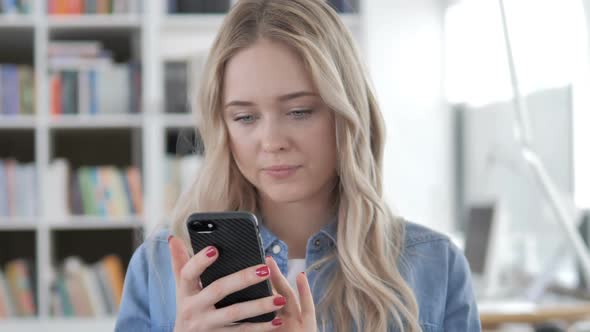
{"x": 281, "y": 134}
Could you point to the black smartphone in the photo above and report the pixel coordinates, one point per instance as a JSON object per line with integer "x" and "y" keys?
{"x": 236, "y": 237}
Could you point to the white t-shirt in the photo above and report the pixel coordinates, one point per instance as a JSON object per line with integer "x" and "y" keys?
{"x": 295, "y": 266}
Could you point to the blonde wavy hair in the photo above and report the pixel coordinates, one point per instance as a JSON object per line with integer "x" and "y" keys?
{"x": 365, "y": 288}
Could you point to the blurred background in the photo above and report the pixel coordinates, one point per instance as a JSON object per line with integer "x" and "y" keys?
{"x": 96, "y": 142}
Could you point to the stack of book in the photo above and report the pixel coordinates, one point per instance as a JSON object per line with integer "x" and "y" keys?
{"x": 85, "y": 80}
{"x": 83, "y": 290}
{"x": 104, "y": 191}
{"x": 15, "y": 7}
{"x": 17, "y": 89}
{"x": 17, "y": 289}
{"x": 18, "y": 189}
{"x": 78, "y": 7}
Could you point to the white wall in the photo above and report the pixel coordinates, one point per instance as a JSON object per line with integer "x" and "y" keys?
{"x": 404, "y": 41}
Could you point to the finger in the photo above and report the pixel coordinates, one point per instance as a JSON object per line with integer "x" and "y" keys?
{"x": 282, "y": 285}
{"x": 305, "y": 296}
{"x": 232, "y": 283}
{"x": 251, "y": 327}
{"x": 239, "y": 311}
{"x": 178, "y": 255}
{"x": 187, "y": 275}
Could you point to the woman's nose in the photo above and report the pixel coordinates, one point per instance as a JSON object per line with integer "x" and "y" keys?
{"x": 274, "y": 138}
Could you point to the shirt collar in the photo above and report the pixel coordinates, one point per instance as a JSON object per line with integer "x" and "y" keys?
{"x": 268, "y": 238}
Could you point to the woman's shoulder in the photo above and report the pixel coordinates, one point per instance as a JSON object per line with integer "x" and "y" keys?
{"x": 423, "y": 243}
{"x": 416, "y": 234}
{"x": 427, "y": 253}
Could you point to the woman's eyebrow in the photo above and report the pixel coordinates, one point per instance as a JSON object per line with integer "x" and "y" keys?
{"x": 298, "y": 94}
{"x": 238, "y": 103}
{"x": 282, "y": 98}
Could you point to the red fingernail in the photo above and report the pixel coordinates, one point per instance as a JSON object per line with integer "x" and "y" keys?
{"x": 211, "y": 252}
{"x": 277, "y": 322}
{"x": 262, "y": 271}
{"x": 281, "y": 300}
{"x": 169, "y": 238}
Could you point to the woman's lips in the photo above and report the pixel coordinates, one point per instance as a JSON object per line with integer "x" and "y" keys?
{"x": 280, "y": 172}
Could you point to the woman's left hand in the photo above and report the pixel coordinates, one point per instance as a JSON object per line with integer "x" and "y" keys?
{"x": 297, "y": 316}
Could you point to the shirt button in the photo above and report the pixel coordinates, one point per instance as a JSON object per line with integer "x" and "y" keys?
{"x": 276, "y": 249}
{"x": 317, "y": 268}
{"x": 316, "y": 243}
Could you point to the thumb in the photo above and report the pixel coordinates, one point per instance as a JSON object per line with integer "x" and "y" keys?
{"x": 178, "y": 255}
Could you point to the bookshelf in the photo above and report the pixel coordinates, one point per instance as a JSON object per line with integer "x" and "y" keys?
{"x": 151, "y": 37}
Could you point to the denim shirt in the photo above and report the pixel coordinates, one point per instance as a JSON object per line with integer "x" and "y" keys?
{"x": 434, "y": 268}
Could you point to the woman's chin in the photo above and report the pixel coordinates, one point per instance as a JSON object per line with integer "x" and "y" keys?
{"x": 283, "y": 195}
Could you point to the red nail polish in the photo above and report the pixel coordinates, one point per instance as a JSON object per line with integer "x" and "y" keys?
{"x": 281, "y": 300}
{"x": 277, "y": 322}
{"x": 169, "y": 238}
{"x": 211, "y": 252}
{"x": 262, "y": 271}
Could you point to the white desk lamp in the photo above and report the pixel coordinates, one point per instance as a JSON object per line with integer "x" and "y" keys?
{"x": 566, "y": 214}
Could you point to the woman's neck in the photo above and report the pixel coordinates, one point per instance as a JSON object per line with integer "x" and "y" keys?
{"x": 295, "y": 222}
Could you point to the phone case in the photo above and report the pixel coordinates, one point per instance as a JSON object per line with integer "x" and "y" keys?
{"x": 238, "y": 243}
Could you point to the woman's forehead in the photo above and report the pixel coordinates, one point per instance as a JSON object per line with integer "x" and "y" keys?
{"x": 266, "y": 69}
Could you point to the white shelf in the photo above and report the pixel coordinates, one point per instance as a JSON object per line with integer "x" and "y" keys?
{"x": 96, "y": 21}
{"x": 96, "y": 121}
{"x": 59, "y": 324}
{"x": 18, "y": 223}
{"x": 178, "y": 120}
{"x": 96, "y": 222}
{"x": 17, "y": 122}
{"x": 16, "y": 21}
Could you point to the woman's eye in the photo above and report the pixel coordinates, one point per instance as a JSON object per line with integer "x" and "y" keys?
{"x": 245, "y": 118}
{"x": 301, "y": 114}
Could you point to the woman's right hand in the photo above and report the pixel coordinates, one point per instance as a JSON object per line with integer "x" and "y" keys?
{"x": 195, "y": 306}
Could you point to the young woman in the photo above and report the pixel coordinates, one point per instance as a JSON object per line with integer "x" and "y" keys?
{"x": 293, "y": 133}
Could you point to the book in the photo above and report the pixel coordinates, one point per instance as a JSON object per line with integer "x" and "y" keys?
{"x": 56, "y": 187}
{"x": 3, "y": 190}
{"x": 10, "y": 182}
{"x": 69, "y": 92}
{"x": 20, "y": 280}
{"x": 135, "y": 189}
{"x": 6, "y": 302}
{"x": 26, "y": 83}
{"x": 176, "y": 87}
{"x": 114, "y": 271}
{"x": 74, "y": 49}
{"x": 78, "y": 295}
{"x": 10, "y": 89}
{"x": 18, "y": 189}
